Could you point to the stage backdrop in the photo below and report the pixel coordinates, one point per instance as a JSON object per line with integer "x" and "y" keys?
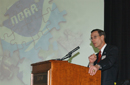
{"x": 38, "y": 30}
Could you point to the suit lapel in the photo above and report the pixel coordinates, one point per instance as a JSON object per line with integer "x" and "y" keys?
{"x": 105, "y": 52}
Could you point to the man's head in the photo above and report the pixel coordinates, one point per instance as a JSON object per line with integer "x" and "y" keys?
{"x": 98, "y": 38}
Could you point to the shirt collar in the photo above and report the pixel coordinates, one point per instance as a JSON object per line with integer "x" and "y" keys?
{"x": 103, "y": 48}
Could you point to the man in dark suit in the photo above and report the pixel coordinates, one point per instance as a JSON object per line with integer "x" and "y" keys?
{"x": 105, "y": 60}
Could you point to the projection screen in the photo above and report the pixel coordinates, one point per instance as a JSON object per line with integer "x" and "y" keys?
{"x": 38, "y": 30}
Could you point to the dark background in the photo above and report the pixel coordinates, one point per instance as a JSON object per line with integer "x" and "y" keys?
{"x": 117, "y": 29}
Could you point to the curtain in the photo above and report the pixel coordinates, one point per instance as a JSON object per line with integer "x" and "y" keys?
{"x": 117, "y": 29}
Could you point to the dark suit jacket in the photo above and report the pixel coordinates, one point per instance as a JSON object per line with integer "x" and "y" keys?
{"x": 109, "y": 65}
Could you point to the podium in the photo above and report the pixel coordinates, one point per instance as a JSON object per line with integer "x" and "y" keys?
{"x": 55, "y": 72}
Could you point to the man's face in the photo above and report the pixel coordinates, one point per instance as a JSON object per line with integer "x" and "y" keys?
{"x": 97, "y": 40}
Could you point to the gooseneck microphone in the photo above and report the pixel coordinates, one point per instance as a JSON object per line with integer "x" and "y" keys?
{"x": 70, "y": 53}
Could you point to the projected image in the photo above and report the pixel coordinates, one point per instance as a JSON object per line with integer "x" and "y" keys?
{"x": 38, "y": 30}
{"x": 25, "y": 37}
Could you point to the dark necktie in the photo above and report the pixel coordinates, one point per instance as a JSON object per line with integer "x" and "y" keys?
{"x": 99, "y": 57}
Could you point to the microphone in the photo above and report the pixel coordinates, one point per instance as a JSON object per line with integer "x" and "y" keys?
{"x": 75, "y": 49}
{"x": 70, "y": 53}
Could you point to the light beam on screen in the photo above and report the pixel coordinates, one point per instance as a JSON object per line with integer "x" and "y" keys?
{"x": 39, "y": 30}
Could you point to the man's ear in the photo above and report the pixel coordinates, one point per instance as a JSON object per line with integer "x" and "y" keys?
{"x": 102, "y": 37}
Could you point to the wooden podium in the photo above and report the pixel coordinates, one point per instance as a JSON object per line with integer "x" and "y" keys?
{"x": 55, "y": 72}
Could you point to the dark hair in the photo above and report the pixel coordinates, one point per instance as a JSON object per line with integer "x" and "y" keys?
{"x": 100, "y": 32}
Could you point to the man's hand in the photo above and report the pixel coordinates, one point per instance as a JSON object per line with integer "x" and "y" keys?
{"x": 92, "y": 58}
{"x": 93, "y": 69}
